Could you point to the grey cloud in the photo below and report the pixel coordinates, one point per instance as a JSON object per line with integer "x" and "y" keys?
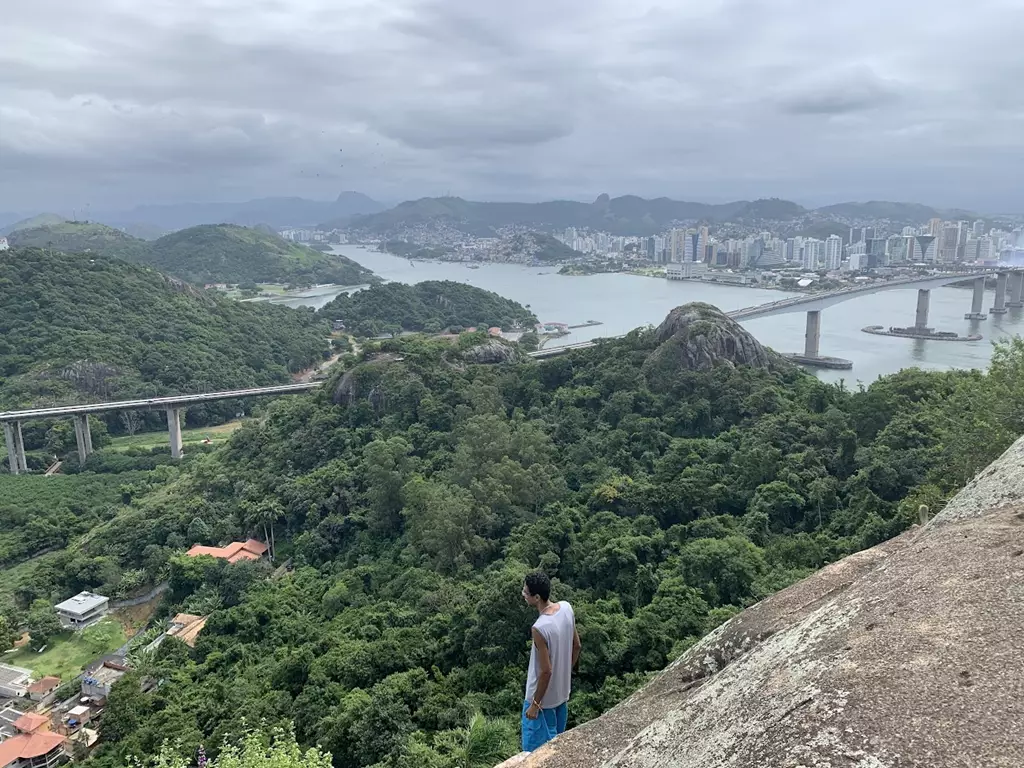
{"x": 839, "y": 93}
{"x": 165, "y": 101}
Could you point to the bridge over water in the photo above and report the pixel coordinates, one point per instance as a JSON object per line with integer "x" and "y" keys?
{"x": 813, "y": 305}
{"x": 1008, "y": 281}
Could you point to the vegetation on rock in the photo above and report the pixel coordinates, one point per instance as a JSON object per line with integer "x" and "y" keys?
{"x": 225, "y": 253}
{"x": 79, "y": 237}
{"x": 431, "y": 306}
{"x": 211, "y": 253}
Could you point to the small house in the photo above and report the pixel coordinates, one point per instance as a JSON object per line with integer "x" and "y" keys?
{"x": 233, "y": 552}
{"x": 82, "y": 610}
{"x": 34, "y": 745}
{"x": 43, "y": 687}
{"x": 14, "y": 681}
{"x": 186, "y": 627}
{"x": 99, "y": 678}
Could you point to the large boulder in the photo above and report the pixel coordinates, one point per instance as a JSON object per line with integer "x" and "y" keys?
{"x": 697, "y": 336}
{"x": 493, "y": 351}
{"x": 907, "y": 655}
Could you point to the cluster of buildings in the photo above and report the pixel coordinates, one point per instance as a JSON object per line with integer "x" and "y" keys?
{"x": 39, "y": 731}
{"x": 937, "y": 242}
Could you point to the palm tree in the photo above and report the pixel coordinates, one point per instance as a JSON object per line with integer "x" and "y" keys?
{"x": 488, "y": 742}
{"x": 265, "y": 514}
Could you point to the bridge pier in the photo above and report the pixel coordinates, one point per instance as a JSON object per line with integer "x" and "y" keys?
{"x": 15, "y": 447}
{"x": 999, "y": 308}
{"x": 83, "y": 437}
{"x": 923, "y": 300}
{"x": 1016, "y": 287}
{"x": 812, "y": 337}
{"x": 977, "y": 305}
{"x": 174, "y": 428}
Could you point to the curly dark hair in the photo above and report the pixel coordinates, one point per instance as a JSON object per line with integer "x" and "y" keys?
{"x": 539, "y": 585}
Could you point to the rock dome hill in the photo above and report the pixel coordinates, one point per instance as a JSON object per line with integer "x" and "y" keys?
{"x": 906, "y": 655}
{"x": 697, "y": 336}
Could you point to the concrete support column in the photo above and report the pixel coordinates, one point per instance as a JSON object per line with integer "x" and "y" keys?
{"x": 19, "y": 447}
{"x": 923, "y": 299}
{"x": 999, "y": 308}
{"x": 813, "y": 335}
{"x": 1016, "y": 285}
{"x": 12, "y": 451}
{"x": 977, "y": 305}
{"x": 174, "y": 428}
{"x": 83, "y": 437}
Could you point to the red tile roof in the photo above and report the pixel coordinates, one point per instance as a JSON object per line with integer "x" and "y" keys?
{"x": 186, "y": 627}
{"x": 30, "y": 722}
{"x": 233, "y": 552}
{"x": 26, "y": 746}
{"x": 44, "y": 684}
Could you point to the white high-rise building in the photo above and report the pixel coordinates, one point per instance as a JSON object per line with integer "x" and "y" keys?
{"x": 676, "y": 245}
{"x": 833, "y": 252}
{"x": 811, "y": 253}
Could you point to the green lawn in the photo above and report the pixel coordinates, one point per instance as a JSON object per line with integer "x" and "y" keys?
{"x": 67, "y": 653}
{"x": 147, "y": 440}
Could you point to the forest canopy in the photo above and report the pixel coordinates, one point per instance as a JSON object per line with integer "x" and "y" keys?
{"x": 430, "y": 306}
{"x": 661, "y": 502}
{"x": 226, "y": 253}
{"x": 210, "y": 253}
{"x": 76, "y": 327}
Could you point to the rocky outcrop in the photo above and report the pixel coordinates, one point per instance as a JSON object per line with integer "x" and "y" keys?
{"x": 907, "y": 655}
{"x": 493, "y": 351}
{"x": 697, "y": 336}
{"x": 364, "y": 380}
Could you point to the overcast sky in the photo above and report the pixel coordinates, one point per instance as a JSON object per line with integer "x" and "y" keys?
{"x": 112, "y": 103}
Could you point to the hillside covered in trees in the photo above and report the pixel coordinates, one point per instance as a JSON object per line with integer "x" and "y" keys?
{"x": 413, "y": 492}
{"x": 76, "y": 327}
{"x": 211, "y": 253}
{"x": 226, "y": 253}
{"x": 430, "y": 306}
{"x": 77, "y": 237}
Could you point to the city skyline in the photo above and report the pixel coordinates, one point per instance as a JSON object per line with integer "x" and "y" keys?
{"x": 105, "y": 104}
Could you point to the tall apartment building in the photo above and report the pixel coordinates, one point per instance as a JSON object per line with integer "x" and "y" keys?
{"x": 833, "y": 252}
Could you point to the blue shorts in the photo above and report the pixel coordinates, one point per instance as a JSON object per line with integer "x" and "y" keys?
{"x": 549, "y": 723}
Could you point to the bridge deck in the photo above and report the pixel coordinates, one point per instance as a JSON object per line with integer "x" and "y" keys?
{"x": 154, "y": 403}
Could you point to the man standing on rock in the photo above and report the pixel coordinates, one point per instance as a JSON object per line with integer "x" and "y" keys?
{"x": 555, "y": 651}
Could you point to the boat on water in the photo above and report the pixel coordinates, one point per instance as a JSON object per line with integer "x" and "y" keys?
{"x": 473, "y": 266}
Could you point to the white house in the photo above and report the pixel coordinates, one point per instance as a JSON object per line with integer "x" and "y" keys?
{"x": 14, "y": 681}
{"x": 3, "y": 244}
{"x": 83, "y": 609}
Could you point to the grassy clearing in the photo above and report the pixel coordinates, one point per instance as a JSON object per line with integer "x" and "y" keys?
{"x": 148, "y": 440}
{"x": 68, "y": 652}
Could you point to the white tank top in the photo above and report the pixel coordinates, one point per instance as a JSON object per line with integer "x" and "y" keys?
{"x": 557, "y": 630}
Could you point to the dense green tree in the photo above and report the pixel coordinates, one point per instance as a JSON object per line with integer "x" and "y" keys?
{"x": 42, "y": 624}
{"x": 430, "y": 306}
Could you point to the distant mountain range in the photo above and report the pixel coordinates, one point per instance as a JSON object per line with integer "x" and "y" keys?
{"x": 151, "y": 221}
{"x": 627, "y": 215}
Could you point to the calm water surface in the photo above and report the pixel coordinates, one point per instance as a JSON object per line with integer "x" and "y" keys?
{"x": 623, "y": 302}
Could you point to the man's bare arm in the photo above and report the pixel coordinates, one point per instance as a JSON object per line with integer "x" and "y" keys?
{"x": 544, "y": 659}
{"x": 576, "y": 646}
